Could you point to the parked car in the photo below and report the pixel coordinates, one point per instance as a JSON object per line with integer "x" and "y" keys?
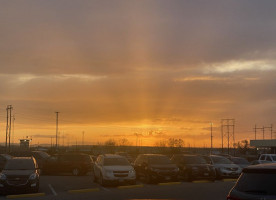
{"x": 242, "y": 162}
{"x": 3, "y": 159}
{"x": 112, "y": 168}
{"x": 255, "y": 182}
{"x": 75, "y": 163}
{"x": 194, "y": 167}
{"x": 224, "y": 167}
{"x": 40, "y": 157}
{"x": 155, "y": 167}
{"x": 20, "y": 173}
{"x": 267, "y": 158}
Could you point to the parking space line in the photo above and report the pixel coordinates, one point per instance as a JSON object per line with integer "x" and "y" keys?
{"x": 108, "y": 190}
{"x": 52, "y": 189}
{"x": 130, "y": 186}
{"x": 84, "y": 190}
{"x": 170, "y": 183}
{"x": 25, "y": 195}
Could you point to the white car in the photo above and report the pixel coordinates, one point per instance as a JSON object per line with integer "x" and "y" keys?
{"x": 111, "y": 168}
{"x": 267, "y": 158}
{"x": 225, "y": 168}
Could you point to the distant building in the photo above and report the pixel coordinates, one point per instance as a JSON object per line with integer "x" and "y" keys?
{"x": 25, "y": 143}
{"x": 264, "y": 144}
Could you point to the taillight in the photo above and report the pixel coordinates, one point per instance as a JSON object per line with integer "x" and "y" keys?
{"x": 232, "y": 198}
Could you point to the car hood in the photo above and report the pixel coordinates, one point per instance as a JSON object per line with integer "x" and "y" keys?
{"x": 165, "y": 167}
{"x": 226, "y": 165}
{"x": 18, "y": 172}
{"x": 118, "y": 168}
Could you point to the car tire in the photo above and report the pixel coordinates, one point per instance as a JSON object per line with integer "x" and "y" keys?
{"x": 133, "y": 182}
{"x": 218, "y": 176}
{"x": 76, "y": 171}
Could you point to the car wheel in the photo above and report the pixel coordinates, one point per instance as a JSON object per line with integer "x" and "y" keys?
{"x": 187, "y": 177}
{"x": 76, "y": 171}
{"x": 218, "y": 176}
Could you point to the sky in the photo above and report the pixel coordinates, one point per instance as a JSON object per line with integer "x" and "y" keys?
{"x": 154, "y": 68}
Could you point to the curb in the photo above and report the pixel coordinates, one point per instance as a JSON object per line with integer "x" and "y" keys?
{"x": 84, "y": 190}
{"x": 203, "y": 181}
{"x": 25, "y": 195}
{"x": 170, "y": 183}
{"x": 130, "y": 186}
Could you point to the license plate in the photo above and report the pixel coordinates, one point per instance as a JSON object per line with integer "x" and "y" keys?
{"x": 206, "y": 174}
{"x": 121, "y": 180}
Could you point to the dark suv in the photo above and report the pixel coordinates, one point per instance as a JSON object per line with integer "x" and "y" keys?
{"x": 77, "y": 164}
{"x": 20, "y": 173}
{"x": 255, "y": 182}
{"x": 194, "y": 167}
{"x": 155, "y": 167}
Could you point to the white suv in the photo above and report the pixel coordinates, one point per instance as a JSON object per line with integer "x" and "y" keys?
{"x": 111, "y": 168}
{"x": 264, "y": 158}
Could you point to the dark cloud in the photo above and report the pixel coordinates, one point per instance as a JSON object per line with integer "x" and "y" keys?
{"x": 180, "y": 64}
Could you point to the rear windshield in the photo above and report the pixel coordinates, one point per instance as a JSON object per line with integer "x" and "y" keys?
{"x": 19, "y": 164}
{"x": 257, "y": 183}
{"x": 221, "y": 160}
{"x": 193, "y": 160}
{"x": 41, "y": 155}
{"x": 240, "y": 161}
{"x": 116, "y": 161}
{"x": 159, "y": 160}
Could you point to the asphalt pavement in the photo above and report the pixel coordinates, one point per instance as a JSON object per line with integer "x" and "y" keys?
{"x": 66, "y": 187}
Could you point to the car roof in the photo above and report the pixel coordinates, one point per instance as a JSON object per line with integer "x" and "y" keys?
{"x": 113, "y": 156}
{"x": 261, "y": 168}
{"x": 21, "y": 158}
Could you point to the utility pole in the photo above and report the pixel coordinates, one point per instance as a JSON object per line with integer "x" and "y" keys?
{"x": 230, "y": 135}
{"x": 8, "y": 128}
{"x": 57, "y": 131}
{"x": 263, "y": 130}
{"x": 82, "y": 138}
{"x": 211, "y": 138}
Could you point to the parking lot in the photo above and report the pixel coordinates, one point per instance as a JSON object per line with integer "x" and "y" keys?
{"x": 83, "y": 187}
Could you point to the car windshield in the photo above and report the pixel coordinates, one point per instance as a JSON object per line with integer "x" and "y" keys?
{"x": 240, "y": 161}
{"x": 115, "y": 161}
{"x": 221, "y": 160}
{"x": 257, "y": 183}
{"x": 19, "y": 164}
{"x": 159, "y": 160}
{"x": 193, "y": 160}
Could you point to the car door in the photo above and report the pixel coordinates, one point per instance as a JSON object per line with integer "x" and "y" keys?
{"x": 138, "y": 165}
{"x": 97, "y": 166}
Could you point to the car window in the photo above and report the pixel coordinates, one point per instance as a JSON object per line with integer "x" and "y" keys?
{"x": 262, "y": 157}
{"x": 258, "y": 183}
{"x": 273, "y": 158}
{"x": 221, "y": 160}
{"x": 157, "y": 160}
{"x": 268, "y": 158}
{"x": 20, "y": 164}
{"x": 193, "y": 160}
{"x": 115, "y": 161}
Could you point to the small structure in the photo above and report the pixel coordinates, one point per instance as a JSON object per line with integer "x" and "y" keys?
{"x": 269, "y": 145}
{"x": 25, "y": 143}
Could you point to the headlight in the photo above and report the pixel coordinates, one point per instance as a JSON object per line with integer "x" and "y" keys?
{"x": 132, "y": 171}
{"x": 3, "y": 177}
{"x": 108, "y": 172}
{"x": 33, "y": 176}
